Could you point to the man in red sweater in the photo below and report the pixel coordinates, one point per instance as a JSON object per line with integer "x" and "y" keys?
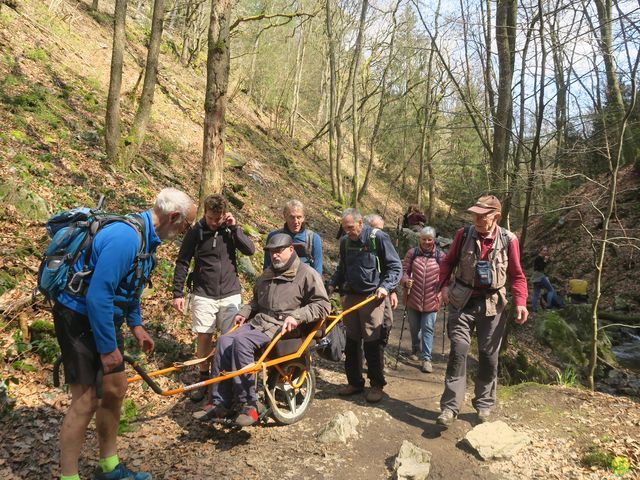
{"x": 484, "y": 256}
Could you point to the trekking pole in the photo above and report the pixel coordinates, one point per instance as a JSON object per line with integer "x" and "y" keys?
{"x": 444, "y": 327}
{"x": 404, "y": 317}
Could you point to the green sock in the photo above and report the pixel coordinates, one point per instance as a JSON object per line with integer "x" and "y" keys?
{"x": 108, "y": 464}
{"x": 70, "y": 477}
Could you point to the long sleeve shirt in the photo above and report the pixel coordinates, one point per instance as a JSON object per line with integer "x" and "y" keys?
{"x": 110, "y": 298}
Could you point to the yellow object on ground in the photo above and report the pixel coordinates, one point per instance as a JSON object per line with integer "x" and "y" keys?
{"x": 577, "y": 286}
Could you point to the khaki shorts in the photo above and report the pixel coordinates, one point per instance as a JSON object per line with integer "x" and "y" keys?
{"x": 208, "y": 314}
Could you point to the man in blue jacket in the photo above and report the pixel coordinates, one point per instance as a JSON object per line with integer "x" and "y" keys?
{"x": 306, "y": 242}
{"x": 88, "y": 328}
{"x": 369, "y": 265}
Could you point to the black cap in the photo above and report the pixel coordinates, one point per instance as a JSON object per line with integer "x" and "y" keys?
{"x": 279, "y": 240}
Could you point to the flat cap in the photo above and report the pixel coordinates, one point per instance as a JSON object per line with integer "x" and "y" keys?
{"x": 279, "y": 240}
{"x": 486, "y": 204}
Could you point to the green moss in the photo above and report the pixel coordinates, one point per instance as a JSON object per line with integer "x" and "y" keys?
{"x": 555, "y": 332}
{"x": 128, "y": 414}
{"x": 506, "y": 393}
{"x": 19, "y": 135}
{"x": 596, "y": 457}
{"x": 37, "y": 55}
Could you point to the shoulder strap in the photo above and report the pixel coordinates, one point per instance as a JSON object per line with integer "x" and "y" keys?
{"x": 465, "y": 234}
{"x": 416, "y": 251}
{"x": 309, "y": 247}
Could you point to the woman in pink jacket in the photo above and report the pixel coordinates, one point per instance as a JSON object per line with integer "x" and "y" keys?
{"x": 420, "y": 272}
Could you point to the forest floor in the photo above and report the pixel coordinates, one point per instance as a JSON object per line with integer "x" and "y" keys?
{"x": 563, "y": 423}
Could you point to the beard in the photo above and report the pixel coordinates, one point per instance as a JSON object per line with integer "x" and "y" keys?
{"x": 278, "y": 265}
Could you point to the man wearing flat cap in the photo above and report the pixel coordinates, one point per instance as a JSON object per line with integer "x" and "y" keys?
{"x": 481, "y": 260}
{"x": 287, "y": 294}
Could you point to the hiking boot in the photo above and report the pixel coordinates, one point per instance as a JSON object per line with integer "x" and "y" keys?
{"x": 446, "y": 417}
{"x": 484, "y": 414}
{"x": 120, "y": 473}
{"x": 374, "y": 395}
{"x": 348, "y": 390}
{"x": 414, "y": 357}
{"x": 426, "y": 366}
{"x": 213, "y": 413}
{"x": 198, "y": 394}
{"x": 248, "y": 416}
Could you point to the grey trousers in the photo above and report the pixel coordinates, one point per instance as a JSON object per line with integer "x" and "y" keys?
{"x": 236, "y": 350}
{"x": 489, "y": 330}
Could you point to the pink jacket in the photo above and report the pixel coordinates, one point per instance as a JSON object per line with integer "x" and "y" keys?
{"x": 424, "y": 272}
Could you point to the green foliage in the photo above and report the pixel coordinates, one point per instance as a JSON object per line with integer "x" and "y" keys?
{"x": 128, "y": 414}
{"x": 23, "y": 366}
{"x": 164, "y": 269}
{"x": 596, "y": 457}
{"x": 567, "y": 378}
{"x": 37, "y": 55}
{"x": 520, "y": 369}
{"x": 7, "y": 281}
{"x": 620, "y": 465}
{"x": 555, "y": 332}
{"x": 167, "y": 149}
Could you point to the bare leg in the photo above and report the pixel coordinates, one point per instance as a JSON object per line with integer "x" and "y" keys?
{"x": 74, "y": 426}
{"x": 114, "y": 387}
{"x": 204, "y": 349}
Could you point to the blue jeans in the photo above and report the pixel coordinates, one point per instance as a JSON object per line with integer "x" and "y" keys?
{"x": 422, "y": 326}
{"x": 537, "y": 290}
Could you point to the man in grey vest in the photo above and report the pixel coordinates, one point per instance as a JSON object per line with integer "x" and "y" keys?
{"x": 484, "y": 256}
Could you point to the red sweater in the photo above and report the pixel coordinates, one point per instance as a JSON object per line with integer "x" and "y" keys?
{"x": 515, "y": 274}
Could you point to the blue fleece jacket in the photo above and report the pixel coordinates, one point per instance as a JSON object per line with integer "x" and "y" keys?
{"x": 300, "y": 242}
{"x": 110, "y": 297}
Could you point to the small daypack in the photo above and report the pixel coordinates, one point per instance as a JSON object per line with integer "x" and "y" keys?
{"x": 307, "y": 247}
{"x": 332, "y": 345}
{"x": 372, "y": 246}
{"x": 72, "y": 232}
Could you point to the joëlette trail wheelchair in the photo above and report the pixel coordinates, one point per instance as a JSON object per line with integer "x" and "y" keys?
{"x": 283, "y": 368}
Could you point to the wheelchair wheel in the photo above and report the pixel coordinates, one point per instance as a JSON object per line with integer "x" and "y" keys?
{"x": 291, "y": 393}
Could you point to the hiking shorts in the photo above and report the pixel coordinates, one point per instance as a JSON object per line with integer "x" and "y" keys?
{"x": 80, "y": 357}
{"x": 208, "y": 314}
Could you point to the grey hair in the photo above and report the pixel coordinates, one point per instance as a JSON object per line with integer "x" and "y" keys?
{"x": 428, "y": 232}
{"x": 292, "y": 205}
{"x": 353, "y": 213}
{"x": 171, "y": 200}
{"x": 373, "y": 218}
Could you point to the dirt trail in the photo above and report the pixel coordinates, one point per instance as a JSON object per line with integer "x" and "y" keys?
{"x": 563, "y": 424}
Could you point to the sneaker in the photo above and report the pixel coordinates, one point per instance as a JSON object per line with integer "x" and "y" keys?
{"x": 348, "y": 390}
{"x": 414, "y": 357}
{"x": 248, "y": 416}
{"x": 426, "y": 366}
{"x": 374, "y": 395}
{"x": 213, "y": 413}
{"x": 446, "y": 418}
{"x": 484, "y": 414}
{"x": 120, "y": 473}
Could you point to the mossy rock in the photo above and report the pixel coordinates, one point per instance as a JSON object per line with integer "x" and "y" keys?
{"x": 28, "y": 204}
{"x": 41, "y": 328}
{"x": 519, "y": 369}
{"x": 246, "y": 267}
{"x": 555, "y": 332}
{"x": 251, "y": 231}
{"x": 579, "y": 316}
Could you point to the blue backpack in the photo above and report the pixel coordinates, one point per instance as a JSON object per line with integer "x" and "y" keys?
{"x": 72, "y": 232}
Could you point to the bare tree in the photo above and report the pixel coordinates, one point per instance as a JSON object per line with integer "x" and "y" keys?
{"x": 215, "y": 102}
{"x": 134, "y": 140}
{"x": 112, "y": 123}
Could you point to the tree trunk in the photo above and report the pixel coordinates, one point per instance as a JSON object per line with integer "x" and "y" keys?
{"x": 334, "y": 166}
{"x": 506, "y": 11}
{"x": 139, "y": 127}
{"x": 354, "y": 104}
{"x": 252, "y": 67}
{"x": 297, "y": 80}
{"x": 215, "y": 102}
{"x": 381, "y": 105}
{"x": 112, "y": 123}
{"x": 535, "y": 147}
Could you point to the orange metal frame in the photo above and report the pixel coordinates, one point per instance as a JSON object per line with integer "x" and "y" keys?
{"x": 261, "y": 364}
